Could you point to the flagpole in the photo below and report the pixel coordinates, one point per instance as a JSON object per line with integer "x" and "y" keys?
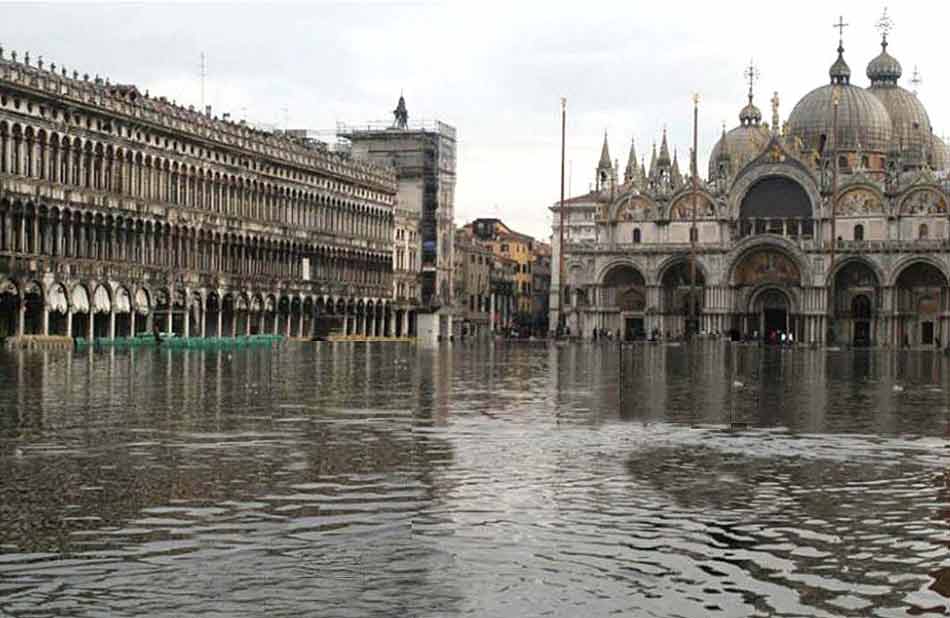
{"x": 692, "y": 230}
{"x": 561, "y": 299}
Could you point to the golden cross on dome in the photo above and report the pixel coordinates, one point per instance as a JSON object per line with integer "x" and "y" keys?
{"x": 841, "y": 26}
{"x": 885, "y": 25}
{"x": 752, "y": 74}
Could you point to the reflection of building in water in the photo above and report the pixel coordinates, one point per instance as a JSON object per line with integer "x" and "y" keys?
{"x": 774, "y": 250}
{"x": 118, "y": 209}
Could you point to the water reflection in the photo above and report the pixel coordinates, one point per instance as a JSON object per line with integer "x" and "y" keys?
{"x": 502, "y": 480}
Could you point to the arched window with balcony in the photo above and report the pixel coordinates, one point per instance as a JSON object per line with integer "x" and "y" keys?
{"x": 636, "y": 236}
{"x": 859, "y": 232}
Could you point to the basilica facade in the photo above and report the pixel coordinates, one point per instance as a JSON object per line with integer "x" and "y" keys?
{"x": 121, "y": 212}
{"x": 831, "y": 226}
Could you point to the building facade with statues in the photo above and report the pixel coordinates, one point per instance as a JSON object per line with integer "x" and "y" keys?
{"x": 832, "y": 226}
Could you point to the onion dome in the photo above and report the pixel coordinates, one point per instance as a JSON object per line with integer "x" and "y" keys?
{"x": 884, "y": 69}
{"x": 863, "y": 121}
{"x": 750, "y": 114}
{"x": 910, "y": 122}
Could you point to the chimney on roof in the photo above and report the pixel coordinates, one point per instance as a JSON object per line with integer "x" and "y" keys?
{"x": 208, "y": 111}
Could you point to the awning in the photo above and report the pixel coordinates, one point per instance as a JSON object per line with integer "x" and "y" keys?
{"x": 141, "y": 302}
{"x": 57, "y": 299}
{"x": 101, "y": 300}
{"x": 8, "y": 287}
{"x": 80, "y": 300}
{"x": 123, "y": 304}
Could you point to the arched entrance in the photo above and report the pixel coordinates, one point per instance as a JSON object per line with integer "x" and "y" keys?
{"x": 102, "y": 313}
{"x": 677, "y": 291}
{"x": 58, "y": 308}
{"x": 211, "y": 314}
{"x": 765, "y": 279}
{"x": 123, "y": 313}
{"x": 33, "y": 309}
{"x": 228, "y": 323}
{"x": 921, "y": 290}
{"x": 79, "y": 299}
{"x": 773, "y": 309}
{"x": 856, "y": 294}
{"x": 9, "y": 309}
{"x": 624, "y": 302}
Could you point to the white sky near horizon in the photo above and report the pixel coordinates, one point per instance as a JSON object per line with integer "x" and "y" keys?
{"x": 495, "y": 71}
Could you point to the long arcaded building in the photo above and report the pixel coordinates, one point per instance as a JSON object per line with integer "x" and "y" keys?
{"x": 119, "y": 209}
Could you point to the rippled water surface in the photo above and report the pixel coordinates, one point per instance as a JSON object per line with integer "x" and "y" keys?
{"x": 481, "y": 480}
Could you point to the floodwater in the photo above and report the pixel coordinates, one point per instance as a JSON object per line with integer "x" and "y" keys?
{"x": 474, "y": 480}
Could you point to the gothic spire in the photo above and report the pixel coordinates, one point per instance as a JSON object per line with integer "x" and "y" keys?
{"x": 630, "y": 173}
{"x": 653, "y": 162}
{"x": 604, "y": 155}
{"x": 664, "y": 150}
{"x": 675, "y": 176}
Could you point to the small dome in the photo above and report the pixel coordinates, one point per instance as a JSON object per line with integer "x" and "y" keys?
{"x": 840, "y": 72}
{"x": 750, "y": 114}
{"x": 743, "y": 144}
{"x": 885, "y": 69}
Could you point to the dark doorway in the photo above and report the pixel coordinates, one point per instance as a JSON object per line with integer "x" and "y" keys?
{"x": 927, "y": 333}
{"x": 633, "y": 329}
{"x": 776, "y": 320}
{"x": 861, "y": 313}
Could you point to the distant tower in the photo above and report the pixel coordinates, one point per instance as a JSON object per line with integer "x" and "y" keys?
{"x": 401, "y": 114}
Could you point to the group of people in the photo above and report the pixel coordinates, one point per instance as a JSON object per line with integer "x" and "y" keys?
{"x": 780, "y": 337}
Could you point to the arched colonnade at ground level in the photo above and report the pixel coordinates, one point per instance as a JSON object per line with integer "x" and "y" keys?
{"x": 109, "y": 310}
{"x": 765, "y": 288}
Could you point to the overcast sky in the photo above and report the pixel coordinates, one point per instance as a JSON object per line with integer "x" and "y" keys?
{"x": 495, "y": 71}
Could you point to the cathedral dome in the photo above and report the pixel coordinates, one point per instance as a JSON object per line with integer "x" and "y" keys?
{"x": 863, "y": 121}
{"x": 940, "y": 154}
{"x": 910, "y": 122}
{"x": 742, "y": 144}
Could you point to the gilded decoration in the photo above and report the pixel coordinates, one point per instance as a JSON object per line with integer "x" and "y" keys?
{"x": 634, "y": 209}
{"x": 924, "y": 202}
{"x": 858, "y": 202}
{"x": 767, "y": 266}
{"x": 682, "y": 210}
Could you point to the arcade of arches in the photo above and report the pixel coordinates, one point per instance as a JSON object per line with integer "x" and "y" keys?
{"x": 767, "y": 290}
{"x": 111, "y": 310}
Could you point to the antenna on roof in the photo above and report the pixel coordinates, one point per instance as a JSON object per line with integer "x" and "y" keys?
{"x": 204, "y": 73}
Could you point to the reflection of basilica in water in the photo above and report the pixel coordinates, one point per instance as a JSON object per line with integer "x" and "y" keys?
{"x": 764, "y": 223}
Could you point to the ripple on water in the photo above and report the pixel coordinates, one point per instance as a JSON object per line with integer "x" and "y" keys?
{"x": 497, "y": 480}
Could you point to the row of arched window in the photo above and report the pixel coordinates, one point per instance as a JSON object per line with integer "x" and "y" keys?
{"x": 62, "y": 159}
{"x": 25, "y": 230}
